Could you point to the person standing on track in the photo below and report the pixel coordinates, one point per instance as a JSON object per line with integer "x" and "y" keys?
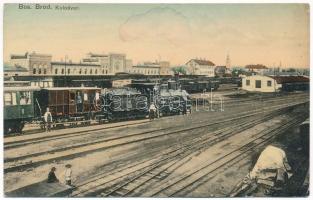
{"x": 152, "y": 111}
{"x": 48, "y": 120}
{"x": 68, "y": 175}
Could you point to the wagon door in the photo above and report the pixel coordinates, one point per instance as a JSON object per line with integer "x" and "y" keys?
{"x": 72, "y": 104}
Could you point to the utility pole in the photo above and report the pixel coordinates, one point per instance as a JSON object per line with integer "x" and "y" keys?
{"x": 65, "y": 75}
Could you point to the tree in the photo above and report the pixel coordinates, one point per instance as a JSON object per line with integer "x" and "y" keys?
{"x": 180, "y": 70}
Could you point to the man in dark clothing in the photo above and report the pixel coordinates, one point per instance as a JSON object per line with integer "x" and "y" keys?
{"x": 51, "y": 176}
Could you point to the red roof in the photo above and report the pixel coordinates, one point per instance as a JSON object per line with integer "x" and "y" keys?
{"x": 203, "y": 62}
{"x": 290, "y": 79}
{"x": 258, "y": 66}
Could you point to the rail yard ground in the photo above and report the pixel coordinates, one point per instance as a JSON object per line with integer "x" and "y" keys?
{"x": 202, "y": 154}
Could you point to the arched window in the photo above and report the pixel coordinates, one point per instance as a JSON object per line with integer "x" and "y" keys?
{"x": 34, "y": 71}
{"x": 96, "y": 71}
{"x": 44, "y": 71}
{"x": 62, "y": 72}
{"x": 56, "y": 71}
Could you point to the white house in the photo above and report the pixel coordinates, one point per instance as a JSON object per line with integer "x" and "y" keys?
{"x": 200, "y": 67}
{"x": 260, "y": 83}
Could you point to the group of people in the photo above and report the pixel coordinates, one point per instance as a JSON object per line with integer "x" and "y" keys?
{"x": 52, "y": 178}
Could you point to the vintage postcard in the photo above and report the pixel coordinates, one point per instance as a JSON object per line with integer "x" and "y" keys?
{"x": 156, "y": 100}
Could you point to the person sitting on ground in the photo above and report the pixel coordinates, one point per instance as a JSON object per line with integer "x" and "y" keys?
{"x": 52, "y": 177}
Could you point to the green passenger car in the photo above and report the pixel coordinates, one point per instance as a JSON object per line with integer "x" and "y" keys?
{"x": 18, "y": 108}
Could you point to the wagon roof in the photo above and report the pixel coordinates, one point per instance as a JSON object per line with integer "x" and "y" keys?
{"x": 19, "y": 88}
{"x": 72, "y": 88}
{"x": 290, "y": 79}
{"x": 123, "y": 91}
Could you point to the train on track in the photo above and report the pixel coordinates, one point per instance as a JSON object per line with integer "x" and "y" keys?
{"x": 26, "y": 104}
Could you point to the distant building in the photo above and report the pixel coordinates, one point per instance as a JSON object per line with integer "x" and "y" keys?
{"x": 200, "y": 67}
{"x": 75, "y": 69}
{"x": 36, "y": 64}
{"x": 257, "y": 69}
{"x": 111, "y": 63}
{"x": 165, "y": 68}
{"x": 221, "y": 71}
{"x": 260, "y": 83}
{"x": 146, "y": 69}
{"x": 15, "y": 70}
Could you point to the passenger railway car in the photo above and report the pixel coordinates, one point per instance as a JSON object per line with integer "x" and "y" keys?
{"x": 18, "y": 107}
{"x": 124, "y": 103}
{"x": 68, "y": 103}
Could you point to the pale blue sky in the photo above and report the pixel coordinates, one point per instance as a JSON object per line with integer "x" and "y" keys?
{"x": 259, "y": 33}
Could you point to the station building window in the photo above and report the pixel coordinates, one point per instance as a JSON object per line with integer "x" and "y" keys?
{"x": 34, "y": 71}
{"x": 257, "y": 83}
{"x": 44, "y": 71}
{"x": 269, "y": 83}
{"x": 56, "y": 71}
{"x": 62, "y": 71}
{"x": 85, "y": 71}
{"x": 39, "y": 71}
{"x": 247, "y": 82}
{"x": 68, "y": 71}
{"x": 90, "y": 72}
{"x": 80, "y": 71}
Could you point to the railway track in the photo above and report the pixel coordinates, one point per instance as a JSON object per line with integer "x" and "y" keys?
{"x": 35, "y": 159}
{"x": 16, "y": 142}
{"x": 45, "y": 138}
{"x": 188, "y": 183}
{"x": 53, "y": 137}
{"x": 148, "y": 173}
{"x": 183, "y": 185}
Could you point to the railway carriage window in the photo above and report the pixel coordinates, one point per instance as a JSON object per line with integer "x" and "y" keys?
{"x": 25, "y": 98}
{"x": 7, "y": 98}
{"x": 247, "y": 82}
{"x": 269, "y": 83}
{"x": 85, "y": 97}
{"x": 72, "y": 98}
{"x": 257, "y": 83}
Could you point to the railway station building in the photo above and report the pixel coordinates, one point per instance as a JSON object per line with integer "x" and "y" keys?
{"x": 36, "y": 64}
{"x": 200, "y": 67}
{"x": 260, "y": 83}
